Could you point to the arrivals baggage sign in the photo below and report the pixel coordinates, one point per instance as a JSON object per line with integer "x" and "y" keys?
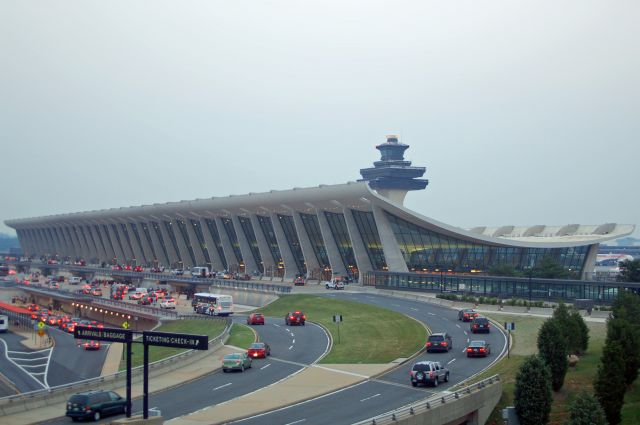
{"x": 168, "y": 339}
{"x": 102, "y": 334}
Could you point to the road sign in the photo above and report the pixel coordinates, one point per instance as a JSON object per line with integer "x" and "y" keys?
{"x": 125, "y": 325}
{"x": 509, "y": 326}
{"x": 102, "y": 334}
{"x": 168, "y": 339}
{"x": 337, "y": 318}
{"x": 40, "y": 325}
{"x": 40, "y": 332}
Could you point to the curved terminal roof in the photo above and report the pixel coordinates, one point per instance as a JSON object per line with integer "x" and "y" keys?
{"x": 354, "y": 195}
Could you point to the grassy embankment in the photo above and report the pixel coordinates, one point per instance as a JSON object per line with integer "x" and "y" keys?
{"x": 210, "y": 328}
{"x": 577, "y": 379}
{"x": 241, "y": 336}
{"x": 367, "y": 334}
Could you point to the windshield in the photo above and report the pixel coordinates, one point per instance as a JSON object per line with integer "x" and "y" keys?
{"x": 257, "y": 345}
{"x": 436, "y": 338}
{"x": 476, "y": 344}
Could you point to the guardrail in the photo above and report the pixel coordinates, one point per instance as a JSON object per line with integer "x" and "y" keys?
{"x": 427, "y": 404}
{"x": 58, "y": 394}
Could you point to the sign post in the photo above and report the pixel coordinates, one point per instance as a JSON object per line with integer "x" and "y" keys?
{"x": 509, "y": 327}
{"x": 337, "y": 318}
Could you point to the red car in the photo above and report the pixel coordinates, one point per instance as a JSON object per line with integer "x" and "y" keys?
{"x": 299, "y": 281}
{"x": 92, "y": 345}
{"x": 33, "y": 307}
{"x": 295, "y": 318}
{"x": 138, "y": 269}
{"x": 255, "y": 319}
{"x": 259, "y": 350}
{"x": 467, "y": 315}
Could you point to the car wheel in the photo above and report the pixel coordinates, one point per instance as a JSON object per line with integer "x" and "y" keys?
{"x": 446, "y": 377}
{"x": 435, "y": 382}
{"x": 415, "y": 384}
{"x": 225, "y": 370}
{"x": 75, "y": 419}
{"x": 96, "y": 416}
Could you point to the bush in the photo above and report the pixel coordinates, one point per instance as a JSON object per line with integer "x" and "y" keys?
{"x": 583, "y": 332}
{"x": 585, "y": 410}
{"x": 552, "y": 346}
{"x": 532, "y": 395}
{"x": 610, "y": 385}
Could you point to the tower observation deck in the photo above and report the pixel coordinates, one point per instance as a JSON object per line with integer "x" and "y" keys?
{"x": 392, "y": 176}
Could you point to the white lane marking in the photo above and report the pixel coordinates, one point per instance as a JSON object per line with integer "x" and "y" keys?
{"x": 46, "y": 371}
{"x": 395, "y": 305}
{"x": 274, "y": 324}
{"x": 414, "y": 309}
{"x": 464, "y": 350}
{"x": 369, "y": 398}
{"x": 465, "y": 332}
{"x": 293, "y": 342}
{"x": 296, "y": 422}
{"x": 28, "y": 360}
{"x": 290, "y": 347}
{"x": 287, "y": 330}
{"x": 431, "y": 314}
{"x": 6, "y": 354}
{"x": 292, "y": 335}
{"x": 222, "y": 386}
{"x": 265, "y": 366}
{"x": 453, "y": 360}
{"x": 458, "y": 326}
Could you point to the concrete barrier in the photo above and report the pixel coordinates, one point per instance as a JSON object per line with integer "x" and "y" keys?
{"x": 541, "y": 311}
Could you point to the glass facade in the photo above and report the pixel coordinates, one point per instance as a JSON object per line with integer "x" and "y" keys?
{"x": 185, "y": 237}
{"x": 174, "y": 242}
{"x": 203, "y": 244}
{"x": 147, "y": 236}
{"x": 426, "y": 250}
{"x": 368, "y": 230}
{"x": 312, "y": 227}
{"x": 213, "y": 231}
{"x": 158, "y": 231}
{"x": 286, "y": 221}
{"x": 270, "y": 236}
{"x": 233, "y": 238}
{"x": 338, "y": 226}
{"x": 247, "y": 229}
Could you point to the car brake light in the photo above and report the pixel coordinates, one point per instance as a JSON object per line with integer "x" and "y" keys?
{"x": 428, "y": 344}
{"x": 482, "y": 350}
{"x": 291, "y": 318}
{"x": 303, "y": 316}
{"x": 475, "y": 326}
{"x": 469, "y": 350}
{"x": 443, "y": 344}
{"x": 430, "y": 374}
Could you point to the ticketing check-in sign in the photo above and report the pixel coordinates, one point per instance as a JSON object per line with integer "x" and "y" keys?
{"x": 102, "y": 334}
{"x": 168, "y": 339}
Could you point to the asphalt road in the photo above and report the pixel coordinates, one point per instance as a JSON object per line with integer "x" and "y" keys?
{"x": 392, "y": 390}
{"x": 15, "y": 357}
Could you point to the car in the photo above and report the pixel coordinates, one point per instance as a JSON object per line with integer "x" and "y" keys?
{"x": 95, "y": 405}
{"x": 478, "y": 349}
{"x": 480, "y": 324}
{"x": 91, "y": 345}
{"x": 138, "y": 269}
{"x": 255, "y": 319}
{"x": 295, "y": 318}
{"x": 52, "y": 320}
{"x": 33, "y": 307}
{"x": 467, "y": 315}
{"x": 74, "y": 280}
{"x": 428, "y": 373}
{"x": 168, "y": 303}
{"x": 146, "y": 300}
{"x": 97, "y": 292}
{"x": 259, "y": 350}
{"x": 236, "y": 361}
{"x": 439, "y": 342}
{"x": 176, "y": 272}
{"x": 136, "y": 296}
{"x": 299, "y": 281}
{"x": 334, "y": 284}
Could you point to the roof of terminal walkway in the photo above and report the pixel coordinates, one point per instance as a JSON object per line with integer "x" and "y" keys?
{"x": 13, "y": 308}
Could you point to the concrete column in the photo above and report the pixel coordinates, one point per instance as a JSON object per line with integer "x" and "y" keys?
{"x": 250, "y": 264}
{"x": 85, "y": 254}
{"x": 96, "y": 249}
{"x": 173, "y": 255}
{"x": 144, "y": 245}
{"x": 263, "y": 245}
{"x": 66, "y": 246}
{"x": 590, "y": 262}
{"x": 216, "y": 261}
{"x": 227, "y": 248}
{"x": 136, "y": 245}
{"x": 88, "y": 242}
{"x": 359, "y": 250}
{"x": 308, "y": 253}
{"x": 75, "y": 242}
{"x": 108, "y": 248}
{"x": 338, "y": 267}
{"x": 102, "y": 250}
{"x": 26, "y": 241}
{"x": 290, "y": 268}
{"x": 117, "y": 247}
{"x": 53, "y": 239}
{"x": 187, "y": 262}
{"x": 157, "y": 244}
{"x": 195, "y": 243}
{"x": 125, "y": 243}
{"x": 392, "y": 254}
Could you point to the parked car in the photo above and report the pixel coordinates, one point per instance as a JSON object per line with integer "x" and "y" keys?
{"x": 295, "y": 318}
{"x": 236, "y": 361}
{"x": 467, "y": 315}
{"x": 334, "y": 284}
{"x": 428, "y": 373}
{"x": 259, "y": 350}
{"x": 95, "y": 405}
{"x": 299, "y": 281}
{"x": 168, "y": 303}
{"x": 439, "y": 342}
{"x": 480, "y": 324}
{"x": 255, "y": 319}
{"x": 478, "y": 349}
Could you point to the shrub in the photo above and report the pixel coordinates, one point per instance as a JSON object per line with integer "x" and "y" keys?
{"x": 586, "y": 410}
{"x": 610, "y": 385}
{"x": 532, "y": 395}
{"x": 552, "y": 346}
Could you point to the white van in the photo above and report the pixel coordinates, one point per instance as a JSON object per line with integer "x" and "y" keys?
{"x": 200, "y": 272}
{"x": 74, "y": 280}
{"x": 4, "y": 323}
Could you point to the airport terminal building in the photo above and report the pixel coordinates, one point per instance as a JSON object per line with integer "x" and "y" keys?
{"x": 318, "y": 232}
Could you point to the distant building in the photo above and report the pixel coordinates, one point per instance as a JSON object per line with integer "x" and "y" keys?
{"x": 344, "y": 229}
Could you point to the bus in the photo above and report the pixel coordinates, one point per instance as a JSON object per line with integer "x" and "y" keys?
{"x": 212, "y": 304}
{"x": 4, "y": 323}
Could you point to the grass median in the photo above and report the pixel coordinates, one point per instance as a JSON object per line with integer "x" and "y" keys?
{"x": 367, "y": 334}
{"x": 211, "y": 328}
{"x": 241, "y": 336}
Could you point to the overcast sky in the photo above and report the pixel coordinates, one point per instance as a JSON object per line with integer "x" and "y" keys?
{"x": 524, "y": 112}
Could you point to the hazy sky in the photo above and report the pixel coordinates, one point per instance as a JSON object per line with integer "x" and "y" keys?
{"x": 524, "y": 112}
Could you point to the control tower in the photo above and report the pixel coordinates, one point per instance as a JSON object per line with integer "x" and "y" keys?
{"x": 392, "y": 176}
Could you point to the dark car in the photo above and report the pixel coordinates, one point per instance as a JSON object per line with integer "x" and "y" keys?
{"x": 478, "y": 349}
{"x": 439, "y": 342}
{"x": 295, "y": 318}
{"x": 467, "y": 315}
{"x": 255, "y": 319}
{"x": 480, "y": 324}
{"x": 431, "y": 373}
{"x": 95, "y": 405}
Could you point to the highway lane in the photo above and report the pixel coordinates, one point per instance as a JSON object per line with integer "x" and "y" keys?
{"x": 11, "y": 366}
{"x": 292, "y": 349}
{"x": 393, "y": 389}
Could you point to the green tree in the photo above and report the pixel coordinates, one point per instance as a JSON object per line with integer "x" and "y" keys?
{"x": 569, "y": 328}
{"x": 627, "y": 306}
{"x": 609, "y": 384}
{"x": 549, "y": 268}
{"x": 552, "y": 347}
{"x": 585, "y": 410}
{"x": 503, "y": 270}
{"x": 629, "y": 271}
{"x": 620, "y": 330}
{"x": 532, "y": 395}
{"x": 582, "y": 330}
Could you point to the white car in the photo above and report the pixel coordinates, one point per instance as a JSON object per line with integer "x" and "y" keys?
{"x": 168, "y": 303}
{"x": 334, "y": 284}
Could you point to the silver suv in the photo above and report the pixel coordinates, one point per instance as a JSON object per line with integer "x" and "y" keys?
{"x": 428, "y": 373}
